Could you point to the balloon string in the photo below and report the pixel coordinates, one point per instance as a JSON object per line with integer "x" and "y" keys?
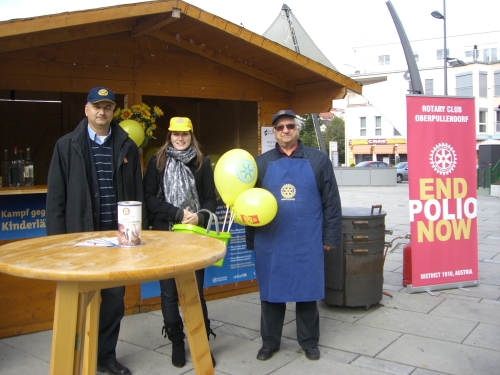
{"x": 225, "y": 219}
{"x": 230, "y": 221}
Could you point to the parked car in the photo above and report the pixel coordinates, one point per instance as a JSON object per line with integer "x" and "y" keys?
{"x": 401, "y": 172}
{"x": 372, "y": 164}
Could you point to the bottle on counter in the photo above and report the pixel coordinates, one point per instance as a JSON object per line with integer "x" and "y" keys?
{"x": 29, "y": 179}
{"x": 5, "y": 168}
{"x": 16, "y": 170}
{"x": 20, "y": 166}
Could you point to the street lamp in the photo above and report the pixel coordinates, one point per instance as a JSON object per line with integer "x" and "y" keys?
{"x": 440, "y": 16}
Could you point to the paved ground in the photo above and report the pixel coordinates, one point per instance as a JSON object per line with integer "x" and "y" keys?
{"x": 452, "y": 332}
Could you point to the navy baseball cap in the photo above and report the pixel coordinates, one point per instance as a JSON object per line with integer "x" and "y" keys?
{"x": 283, "y": 112}
{"x": 100, "y": 94}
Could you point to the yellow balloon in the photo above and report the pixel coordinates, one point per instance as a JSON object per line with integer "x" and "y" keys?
{"x": 149, "y": 154}
{"x": 255, "y": 207}
{"x": 214, "y": 158}
{"x": 134, "y": 130}
{"x": 234, "y": 173}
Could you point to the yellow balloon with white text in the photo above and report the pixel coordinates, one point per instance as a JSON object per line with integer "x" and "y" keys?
{"x": 235, "y": 172}
{"x": 255, "y": 207}
{"x": 134, "y": 130}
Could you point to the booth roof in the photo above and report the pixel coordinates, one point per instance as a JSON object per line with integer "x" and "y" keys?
{"x": 191, "y": 28}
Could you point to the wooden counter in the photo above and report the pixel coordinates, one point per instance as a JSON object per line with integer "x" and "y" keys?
{"x": 38, "y": 189}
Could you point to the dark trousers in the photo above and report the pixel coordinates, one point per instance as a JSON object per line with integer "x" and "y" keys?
{"x": 110, "y": 315}
{"x": 273, "y": 316}
{"x": 169, "y": 299}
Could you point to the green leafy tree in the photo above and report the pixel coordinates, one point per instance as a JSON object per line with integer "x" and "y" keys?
{"x": 335, "y": 131}
{"x": 308, "y": 134}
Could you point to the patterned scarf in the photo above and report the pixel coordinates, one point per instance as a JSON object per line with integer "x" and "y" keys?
{"x": 178, "y": 181}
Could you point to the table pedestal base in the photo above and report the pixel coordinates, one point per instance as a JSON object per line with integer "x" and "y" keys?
{"x": 76, "y": 325}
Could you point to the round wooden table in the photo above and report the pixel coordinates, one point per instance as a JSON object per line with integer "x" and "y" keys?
{"x": 81, "y": 272}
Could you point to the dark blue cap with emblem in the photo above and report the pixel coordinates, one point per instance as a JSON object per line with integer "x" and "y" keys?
{"x": 100, "y": 94}
{"x": 283, "y": 112}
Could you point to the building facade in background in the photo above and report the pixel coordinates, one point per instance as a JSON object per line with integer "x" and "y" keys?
{"x": 376, "y": 121}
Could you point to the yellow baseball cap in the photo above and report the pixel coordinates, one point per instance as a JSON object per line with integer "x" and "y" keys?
{"x": 180, "y": 124}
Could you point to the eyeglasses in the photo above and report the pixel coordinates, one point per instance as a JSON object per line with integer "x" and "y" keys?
{"x": 281, "y": 127}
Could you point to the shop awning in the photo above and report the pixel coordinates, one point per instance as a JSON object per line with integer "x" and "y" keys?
{"x": 402, "y": 148}
{"x": 384, "y": 149}
{"x": 362, "y": 149}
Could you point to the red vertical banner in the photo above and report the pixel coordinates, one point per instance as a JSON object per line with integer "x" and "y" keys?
{"x": 442, "y": 188}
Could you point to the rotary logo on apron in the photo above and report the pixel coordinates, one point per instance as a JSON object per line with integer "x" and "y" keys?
{"x": 288, "y": 192}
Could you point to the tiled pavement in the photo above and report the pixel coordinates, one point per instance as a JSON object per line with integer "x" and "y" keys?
{"x": 452, "y": 332}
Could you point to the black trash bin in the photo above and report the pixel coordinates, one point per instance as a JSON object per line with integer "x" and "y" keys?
{"x": 354, "y": 273}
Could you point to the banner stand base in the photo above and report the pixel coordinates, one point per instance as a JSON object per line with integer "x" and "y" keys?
{"x": 430, "y": 288}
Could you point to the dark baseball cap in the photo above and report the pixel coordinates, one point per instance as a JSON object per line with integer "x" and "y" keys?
{"x": 283, "y": 112}
{"x": 100, "y": 94}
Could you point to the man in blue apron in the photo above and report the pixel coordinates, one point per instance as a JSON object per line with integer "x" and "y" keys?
{"x": 289, "y": 259}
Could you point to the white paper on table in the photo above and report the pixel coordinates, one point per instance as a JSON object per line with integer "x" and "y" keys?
{"x": 107, "y": 242}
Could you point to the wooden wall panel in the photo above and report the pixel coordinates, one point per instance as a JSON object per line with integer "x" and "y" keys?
{"x": 25, "y": 303}
{"x": 144, "y": 65}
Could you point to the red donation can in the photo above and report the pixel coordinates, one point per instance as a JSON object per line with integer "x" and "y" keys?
{"x": 407, "y": 264}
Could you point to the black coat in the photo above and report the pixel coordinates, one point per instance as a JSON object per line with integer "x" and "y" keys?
{"x": 162, "y": 213}
{"x": 72, "y": 187}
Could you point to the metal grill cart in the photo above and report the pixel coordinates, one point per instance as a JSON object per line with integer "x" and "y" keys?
{"x": 354, "y": 274}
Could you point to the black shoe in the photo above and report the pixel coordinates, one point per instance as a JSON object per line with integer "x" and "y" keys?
{"x": 113, "y": 368}
{"x": 312, "y": 353}
{"x": 265, "y": 353}
{"x": 178, "y": 354}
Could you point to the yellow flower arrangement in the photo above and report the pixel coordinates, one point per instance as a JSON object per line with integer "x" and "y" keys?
{"x": 143, "y": 115}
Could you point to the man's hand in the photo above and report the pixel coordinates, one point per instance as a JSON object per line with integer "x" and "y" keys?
{"x": 326, "y": 247}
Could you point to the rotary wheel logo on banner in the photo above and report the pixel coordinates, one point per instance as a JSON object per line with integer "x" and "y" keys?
{"x": 443, "y": 158}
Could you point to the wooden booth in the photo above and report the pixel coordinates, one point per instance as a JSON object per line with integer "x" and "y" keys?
{"x": 170, "y": 54}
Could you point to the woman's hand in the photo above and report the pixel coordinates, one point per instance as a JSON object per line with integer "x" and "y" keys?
{"x": 190, "y": 218}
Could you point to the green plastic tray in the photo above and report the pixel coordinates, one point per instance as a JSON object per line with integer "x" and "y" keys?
{"x": 189, "y": 228}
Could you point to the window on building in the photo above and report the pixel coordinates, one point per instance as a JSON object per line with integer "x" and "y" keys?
{"x": 483, "y": 118}
{"x": 464, "y": 84}
{"x": 497, "y": 83}
{"x": 469, "y": 53}
{"x": 497, "y": 121}
{"x": 429, "y": 87}
{"x": 395, "y": 132}
{"x": 362, "y": 126}
{"x": 378, "y": 125}
{"x": 489, "y": 54}
{"x": 440, "y": 53}
{"x": 384, "y": 60}
{"x": 483, "y": 84}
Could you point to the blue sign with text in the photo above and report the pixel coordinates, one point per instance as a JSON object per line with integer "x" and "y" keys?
{"x": 22, "y": 216}
{"x": 239, "y": 262}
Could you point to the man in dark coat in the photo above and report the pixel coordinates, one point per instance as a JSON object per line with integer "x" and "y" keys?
{"x": 289, "y": 258}
{"x": 92, "y": 168}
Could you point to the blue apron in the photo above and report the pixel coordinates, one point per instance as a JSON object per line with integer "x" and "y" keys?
{"x": 289, "y": 259}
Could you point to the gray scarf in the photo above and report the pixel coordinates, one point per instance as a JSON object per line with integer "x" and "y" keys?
{"x": 178, "y": 181}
